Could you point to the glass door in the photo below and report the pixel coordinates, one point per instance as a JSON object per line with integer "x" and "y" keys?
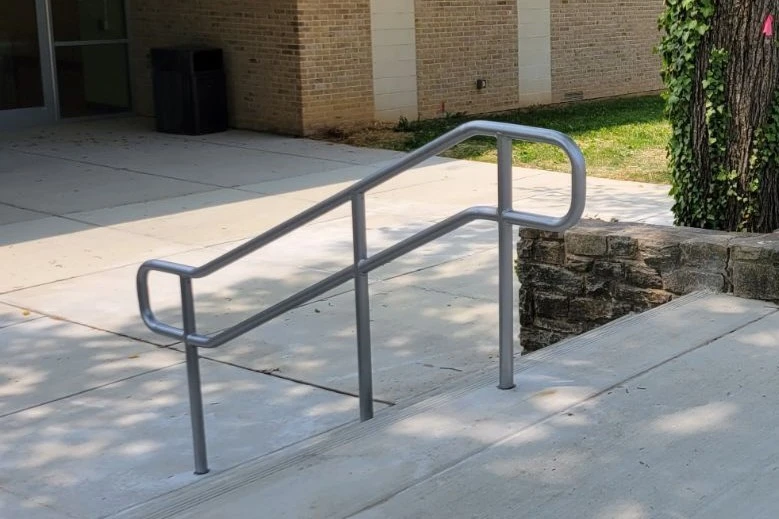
{"x": 26, "y": 88}
{"x": 90, "y": 53}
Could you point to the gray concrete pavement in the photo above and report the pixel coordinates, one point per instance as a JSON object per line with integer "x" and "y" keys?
{"x": 94, "y": 414}
{"x": 600, "y": 426}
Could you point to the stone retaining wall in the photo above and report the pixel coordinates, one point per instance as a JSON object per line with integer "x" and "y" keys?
{"x": 598, "y": 271}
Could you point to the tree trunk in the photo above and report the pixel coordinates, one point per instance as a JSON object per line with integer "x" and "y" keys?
{"x": 733, "y": 152}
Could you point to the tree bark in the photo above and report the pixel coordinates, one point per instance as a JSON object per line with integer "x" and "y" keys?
{"x": 751, "y": 78}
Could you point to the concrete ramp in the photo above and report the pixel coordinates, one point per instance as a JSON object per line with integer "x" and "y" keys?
{"x": 671, "y": 413}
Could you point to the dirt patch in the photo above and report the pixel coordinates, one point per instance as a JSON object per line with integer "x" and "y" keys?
{"x": 377, "y": 135}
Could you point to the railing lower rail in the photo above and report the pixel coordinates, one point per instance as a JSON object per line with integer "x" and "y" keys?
{"x": 503, "y": 214}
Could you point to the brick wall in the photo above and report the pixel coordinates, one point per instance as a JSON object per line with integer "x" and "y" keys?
{"x": 604, "y": 48}
{"x": 260, "y": 49}
{"x": 460, "y": 41}
{"x": 293, "y": 66}
{"x": 296, "y": 66}
{"x": 336, "y": 63}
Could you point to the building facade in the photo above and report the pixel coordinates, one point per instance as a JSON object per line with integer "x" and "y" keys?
{"x": 300, "y": 66}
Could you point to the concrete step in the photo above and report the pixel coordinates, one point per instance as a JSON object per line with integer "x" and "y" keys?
{"x": 604, "y": 422}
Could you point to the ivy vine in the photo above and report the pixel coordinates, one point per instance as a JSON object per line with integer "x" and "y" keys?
{"x": 723, "y": 184}
{"x": 684, "y": 23}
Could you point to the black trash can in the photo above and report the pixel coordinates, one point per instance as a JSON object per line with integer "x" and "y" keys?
{"x": 190, "y": 96}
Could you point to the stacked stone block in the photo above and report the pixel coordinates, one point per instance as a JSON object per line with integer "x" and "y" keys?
{"x": 598, "y": 271}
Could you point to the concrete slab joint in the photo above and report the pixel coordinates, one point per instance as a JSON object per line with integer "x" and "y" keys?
{"x": 599, "y": 271}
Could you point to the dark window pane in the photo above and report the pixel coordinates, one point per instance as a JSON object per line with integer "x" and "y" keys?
{"x": 20, "y": 61}
{"x": 93, "y": 79}
{"x": 81, "y": 20}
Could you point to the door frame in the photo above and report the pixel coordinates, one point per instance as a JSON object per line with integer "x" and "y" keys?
{"x": 20, "y": 117}
{"x": 50, "y": 111}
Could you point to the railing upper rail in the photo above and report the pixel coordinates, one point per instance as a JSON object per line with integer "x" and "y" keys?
{"x": 450, "y": 139}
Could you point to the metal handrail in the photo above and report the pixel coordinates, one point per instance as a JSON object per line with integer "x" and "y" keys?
{"x": 363, "y": 264}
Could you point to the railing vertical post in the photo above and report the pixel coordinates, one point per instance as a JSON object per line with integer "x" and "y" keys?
{"x": 505, "y": 265}
{"x": 362, "y": 307}
{"x": 193, "y": 378}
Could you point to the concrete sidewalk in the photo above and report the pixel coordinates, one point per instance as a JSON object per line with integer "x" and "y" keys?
{"x": 94, "y": 417}
{"x": 599, "y": 426}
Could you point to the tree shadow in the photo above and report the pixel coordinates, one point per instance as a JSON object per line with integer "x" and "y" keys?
{"x": 129, "y": 440}
{"x": 84, "y": 408}
{"x": 95, "y": 413}
{"x": 688, "y": 437}
{"x": 93, "y": 422}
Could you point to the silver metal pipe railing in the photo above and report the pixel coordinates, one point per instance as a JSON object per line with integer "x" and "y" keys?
{"x": 363, "y": 264}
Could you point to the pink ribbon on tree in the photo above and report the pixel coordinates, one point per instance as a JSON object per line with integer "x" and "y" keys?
{"x": 768, "y": 26}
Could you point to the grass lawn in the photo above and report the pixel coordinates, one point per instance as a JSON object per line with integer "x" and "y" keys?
{"x": 621, "y": 138}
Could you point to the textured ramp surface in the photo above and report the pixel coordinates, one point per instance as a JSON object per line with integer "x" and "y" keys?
{"x": 646, "y": 412}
